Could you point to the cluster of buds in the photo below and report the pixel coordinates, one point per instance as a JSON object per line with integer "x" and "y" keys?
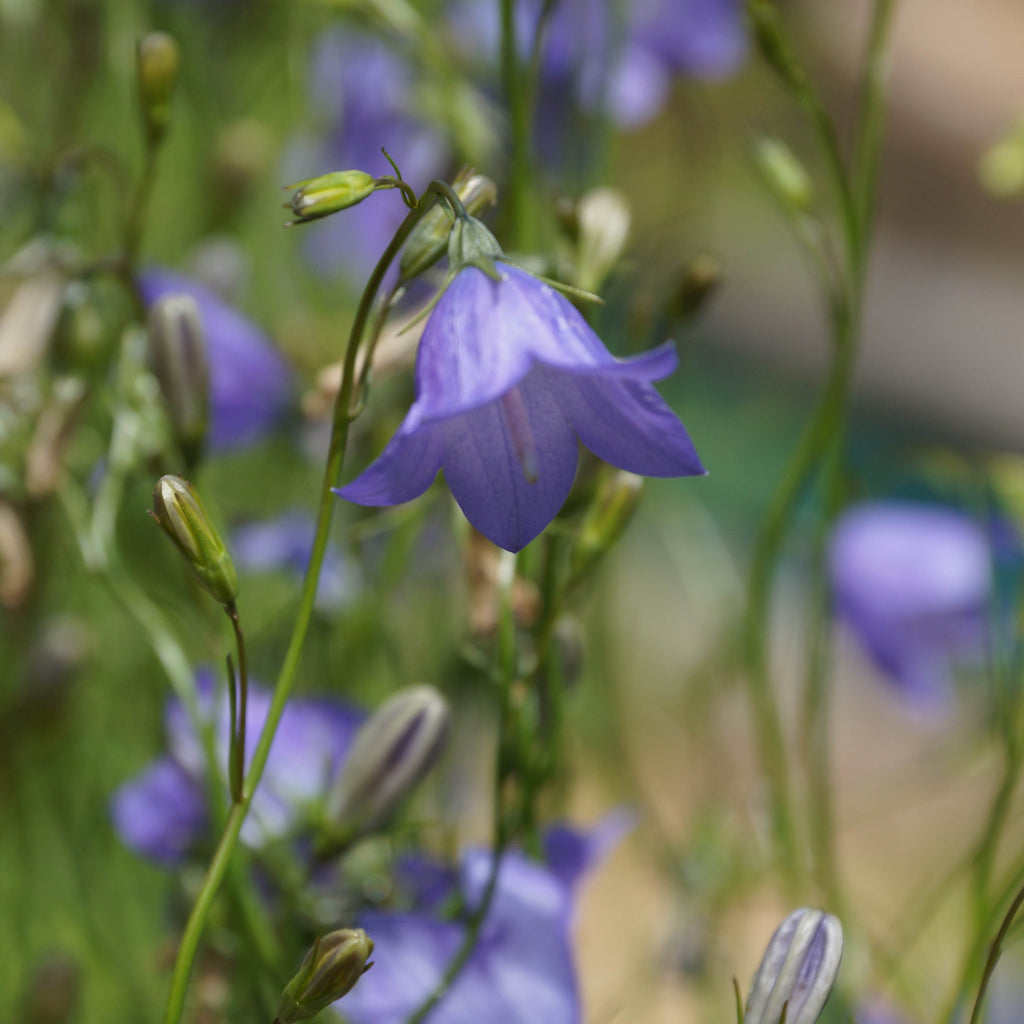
{"x": 798, "y": 970}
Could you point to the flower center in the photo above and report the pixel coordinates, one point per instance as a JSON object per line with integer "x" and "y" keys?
{"x": 514, "y": 412}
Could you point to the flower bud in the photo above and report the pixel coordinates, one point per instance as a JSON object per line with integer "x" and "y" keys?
{"x": 471, "y": 244}
{"x": 429, "y": 239}
{"x": 176, "y": 354}
{"x": 771, "y": 40}
{"x": 157, "y": 59}
{"x": 391, "y": 753}
{"x": 607, "y": 518}
{"x": 329, "y": 193}
{"x": 177, "y": 508}
{"x": 331, "y": 968}
{"x": 784, "y": 174}
{"x": 603, "y": 220}
{"x": 701, "y": 279}
{"x": 798, "y": 969}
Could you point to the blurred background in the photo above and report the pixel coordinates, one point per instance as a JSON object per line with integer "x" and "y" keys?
{"x": 272, "y": 93}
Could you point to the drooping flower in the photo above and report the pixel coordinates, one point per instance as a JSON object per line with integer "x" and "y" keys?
{"x": 913, "y": 582}
{"x": 509, "y": 376}
{"x": 521, "y": 970}
{"x": 363, "y": 89}
{"x": 285, "y": 544}
{"x": 162, "y": 814}
{"x": 250, "y": 383}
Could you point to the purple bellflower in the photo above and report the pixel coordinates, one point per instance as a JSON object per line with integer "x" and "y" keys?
{"x": 913, "y": 583}
{"x": 362, "y": 89}
{"x": 521, "y": 970}
{"x": 250, "y": 383}
{"x": 621, "y": 62}
{"x": 285, "y": 544}
{"x": 162, "y": 813}
{"x": 509, "y": 376}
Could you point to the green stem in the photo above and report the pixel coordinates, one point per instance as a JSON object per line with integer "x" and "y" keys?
{"x": 286, "y": 678}
{"x": 517, "y": 96}
{"x": 238, "y": 738}
{"x": 139, "y": 206}
{"x": 993, "y": 955}
{"x": 507, "y": 659}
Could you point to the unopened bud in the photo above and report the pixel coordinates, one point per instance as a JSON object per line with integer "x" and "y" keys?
{"x": 177, "y": 508}
{"x": 771, "y": 40}
{"x": 329, "y": 193}
{"x": 784, "y": 174}
{"x": 157, "y": 61}
{"x": 470, "y": 244}
{"x": 429, "y": 239}
{"x": 330, "y": 970}
{"x": 1001, "y": 167}
{"x": 603, "y": 221}
{"x": 391, "y": 753}
{"x": 798, "y": 970}
{"x": 607, "y": 518}
{"x": 701, "y": 278}
{"x": 176, "y": 354}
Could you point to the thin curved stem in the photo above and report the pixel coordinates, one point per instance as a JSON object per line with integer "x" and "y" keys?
{"x": 993, "y": 955}
{"x": 341, "y": 420}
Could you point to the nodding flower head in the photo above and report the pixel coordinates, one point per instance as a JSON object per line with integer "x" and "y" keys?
{"x": 509, "y": 378}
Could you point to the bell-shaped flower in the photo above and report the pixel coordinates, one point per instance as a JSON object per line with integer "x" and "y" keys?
{"x": 250, "y": 383}
{"x": 162, "y": 813}
{"x": 509, "y": 377}
{"x": 521, "y": 970}
{"x": 913, "y": 582}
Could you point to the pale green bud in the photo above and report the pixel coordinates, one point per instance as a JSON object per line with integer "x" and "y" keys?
{"x": 1001, "y": 167}
{"x": 176, "y": 353}
{"x": 329, "y": 193}
{"x": 784, "y": 174}
{"x": 798, "y": 970}
{"x": 178, "y": 510}
{"x": 157, "y": 60}
{"x": 602, "y": 222}
{"x": 392, "y": 751}
{"x": 470, "y": 244}
{"x": 330, "y": 970}
{"x": 429, "y": 239}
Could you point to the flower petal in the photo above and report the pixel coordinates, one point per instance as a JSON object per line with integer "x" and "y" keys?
{"x": 486, "y": 474}
{"x": 161, "y": 813}
{"x": 484, "y": 336}
{"x": 403, "y": 471}
{"x": 626, "y": 423}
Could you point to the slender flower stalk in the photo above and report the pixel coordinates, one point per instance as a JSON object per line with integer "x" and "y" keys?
{"x": 341, "y": 420}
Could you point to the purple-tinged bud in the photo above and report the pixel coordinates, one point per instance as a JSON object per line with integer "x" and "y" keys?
{"x": 607, "y": 517}
{"x": 784, "y": 174}
{"x": 798, "y": 970}
{"x": 178, "y": 510}
{"x": 329, "y": 971}
{"x": 157, "y": 60}
{"x": 429, "y": 239}
{"x": 392, "y": 751}
{"x": 329, "y": 193}
{"x": 176, "y": 354}
{"x": 603, "y": 222}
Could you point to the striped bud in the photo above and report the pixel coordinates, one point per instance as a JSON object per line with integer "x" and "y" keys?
{"x": 331, "y": 968}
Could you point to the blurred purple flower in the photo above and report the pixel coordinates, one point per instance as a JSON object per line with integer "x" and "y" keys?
{"x": 285, "y": 544}
{"x": 913, "y": 582}
{"x": 521, "y": 970}
{"x": 363, "y": 89}
{"x": 162, "y": 813}
{"x": 508, "y": 377}
{"x": 250, "y": 383}
{"x": 618, "y": 61}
